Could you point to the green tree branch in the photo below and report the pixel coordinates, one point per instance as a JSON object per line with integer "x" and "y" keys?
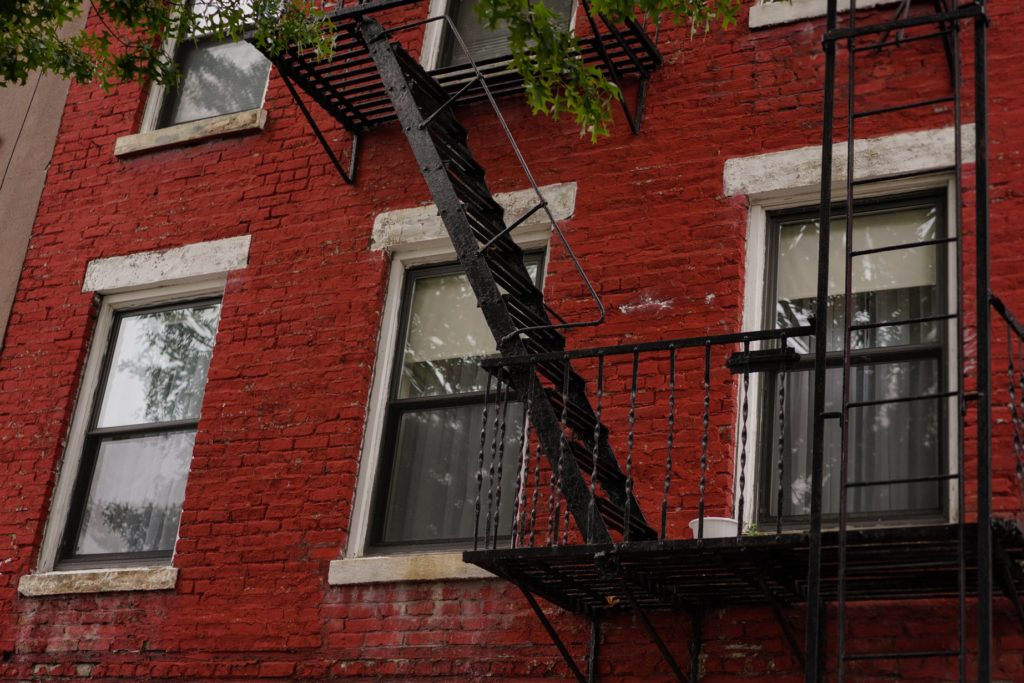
{"x": 129, "y": 45}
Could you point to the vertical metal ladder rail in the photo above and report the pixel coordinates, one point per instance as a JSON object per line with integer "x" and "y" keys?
{"x": 947, "y": 18}
{"x": 511, "y": 304}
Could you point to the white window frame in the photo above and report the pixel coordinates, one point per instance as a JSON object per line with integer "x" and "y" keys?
{"x": 124, "y": 283}
{"x": 774, "y": 12}
{"x": 416, "y": 237}
{"x": 433, "y": 33}
{"x": 790, "y": 179}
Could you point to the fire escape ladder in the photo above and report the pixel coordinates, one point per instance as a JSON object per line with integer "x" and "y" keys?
{"x": 511, "y": 304}
{"x": 943, "y": 22}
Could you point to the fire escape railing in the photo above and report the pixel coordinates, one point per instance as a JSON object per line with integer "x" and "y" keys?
{"x": 664, "y": 403}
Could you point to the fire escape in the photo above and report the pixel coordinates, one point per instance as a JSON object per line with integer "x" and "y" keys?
{"x": 620, "y": 442}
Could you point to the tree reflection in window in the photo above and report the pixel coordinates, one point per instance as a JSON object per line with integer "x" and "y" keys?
{"x": 138, "y": 451}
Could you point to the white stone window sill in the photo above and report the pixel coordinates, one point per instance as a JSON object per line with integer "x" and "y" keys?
{"x": 98, "y": 581}
{"x": 787, "y": 11}
{"x": 403, "y": 568}
{"x": 193, "y": 131}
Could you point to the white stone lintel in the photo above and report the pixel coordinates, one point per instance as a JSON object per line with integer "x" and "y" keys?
{"x": 403, "y": 568}
{"x": 98, "y": 581}
{"x": 794, "y": 169}
{"x": 421, "y": 226}
{"x": 194, "y": 131}
{"x": 149, "y": 268}
{"x": 775, "y": 12}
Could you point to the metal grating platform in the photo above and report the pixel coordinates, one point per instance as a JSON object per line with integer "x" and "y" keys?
{"x": 892, "y": 563}
{"x": 348, "y": 87}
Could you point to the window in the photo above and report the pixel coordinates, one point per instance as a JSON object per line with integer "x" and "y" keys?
{"x": 426, "y": 481}
{"x": 482, "y": 43}
{"x": 888, "y": 441}
{"x": 127, "y": 496}
{"x": 217, "y": 77}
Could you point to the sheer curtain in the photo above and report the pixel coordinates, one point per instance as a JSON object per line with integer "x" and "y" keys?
{"x": 891, "y": 441}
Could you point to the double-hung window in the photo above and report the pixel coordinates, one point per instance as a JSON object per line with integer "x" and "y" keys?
{"x": 426, "y": 485}
{"x": 484, "y": 44}
{"x": 217, "y": 76}
{"x": 130, "y": 484}
{"x": 887, "y": 440}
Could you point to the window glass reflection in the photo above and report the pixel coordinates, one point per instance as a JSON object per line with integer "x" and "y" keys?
{"x": 158, "y": 366}
{"x": 433, "y": 484}
{"x": 217, "y": 78}
{"x": 134, "y": 500}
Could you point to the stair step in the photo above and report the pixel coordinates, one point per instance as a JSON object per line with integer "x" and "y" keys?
{"x": 579, "y": 419}
{"x": 454, "y": 150}
{"x": 608, "y": 473}
{"x": 553, "y": 371}
{"x": 512, "y": 276}
{"x": 476, "y": 192}
{"x": 613, "y": 516}
{"x": 525, "y": 315}
{"x": 415, "y": 74}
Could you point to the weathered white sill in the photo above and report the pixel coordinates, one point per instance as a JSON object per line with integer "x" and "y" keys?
{"x": 795, "y": 169}
{"x": 169, "y": 266}
{"x": 193, "y": 131}
{"x": 98, "y": 581}
{"x": 787, "y": 11}
{"x": 421, "y": 226}
{"x": 403, "y": 568}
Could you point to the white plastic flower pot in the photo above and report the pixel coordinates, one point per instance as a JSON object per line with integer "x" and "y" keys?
{"x": 716, "y": 527}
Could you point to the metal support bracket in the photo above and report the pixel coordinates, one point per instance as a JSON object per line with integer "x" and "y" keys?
{"x": 633, "y": 118}
{"x": 349, "y": 175}
{"x": 1009, "y": 576}
{"x": 652, "y": 632}
{"x": 595, "y": 636}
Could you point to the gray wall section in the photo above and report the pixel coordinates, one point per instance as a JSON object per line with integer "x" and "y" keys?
{"x": 29, "y": 119}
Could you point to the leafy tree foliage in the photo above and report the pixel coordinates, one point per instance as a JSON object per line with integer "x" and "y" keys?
{"x": 129, "y": 44}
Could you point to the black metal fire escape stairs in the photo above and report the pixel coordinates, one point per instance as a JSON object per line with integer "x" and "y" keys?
{"x": 371, "y": 80}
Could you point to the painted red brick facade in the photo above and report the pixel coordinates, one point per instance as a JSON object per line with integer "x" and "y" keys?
{"x": 272, "y": 482}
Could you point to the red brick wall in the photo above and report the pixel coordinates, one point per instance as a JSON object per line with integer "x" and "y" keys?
{"x": 271, "y": 488}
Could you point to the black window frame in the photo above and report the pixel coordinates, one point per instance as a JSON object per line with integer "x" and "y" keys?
{"x": 94, "y": 436}
{"x": 767, "y": 448}
{"x": 395, "y": 408}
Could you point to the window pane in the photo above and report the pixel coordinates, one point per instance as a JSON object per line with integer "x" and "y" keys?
{"x": 217, "y": 78}
{"x": 482, "y": 43}
{"x": 447, "y": 334}
{"x": 134, "y": 500}
{"x": 892, "y": 441}
{"x": 893, "y": 285}
{"x": 433, "y": 488}
{"x": 158, "y": 366}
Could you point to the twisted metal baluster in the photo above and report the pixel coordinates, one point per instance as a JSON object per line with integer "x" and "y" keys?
{"x": 501, "y": 461}
{"x": 494, "y": 455}
{"x": 743, "y": 436}
{"x": 782, "y": 440}
{"x": 522, "y": 475}
{"x": 592, "y": 508}
{"x": 562, "y": 454}
{"x": 536, "y": 495}
{"x": 671, "y": 436}
{"x": 627, "y": 512}
{"x": 704, "y": 440}
{"x": 1015, "y": 418}
{"x": 480, "y": 466}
